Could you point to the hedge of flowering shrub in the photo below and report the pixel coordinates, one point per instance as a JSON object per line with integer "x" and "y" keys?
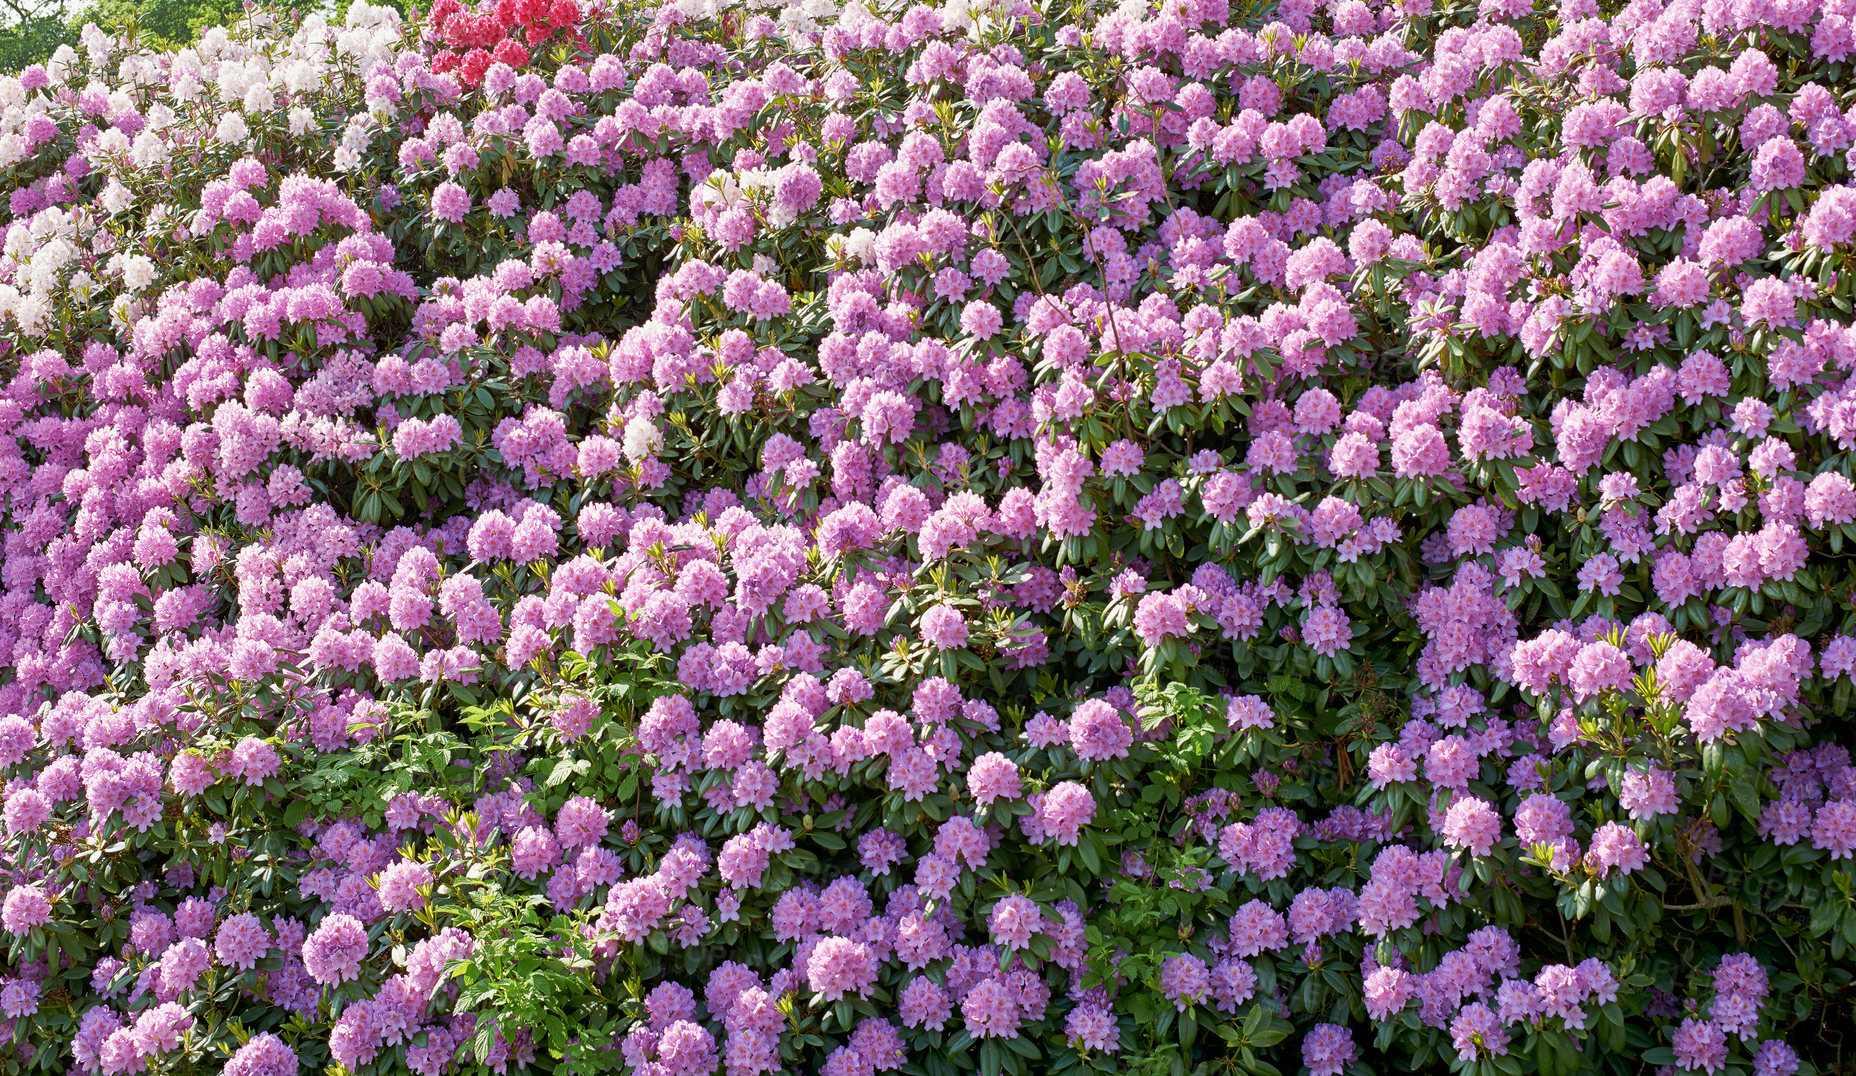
{"x": 1012, "y": 536}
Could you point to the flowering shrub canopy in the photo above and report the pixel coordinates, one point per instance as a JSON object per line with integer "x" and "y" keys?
{"x": 1002, "y": 536}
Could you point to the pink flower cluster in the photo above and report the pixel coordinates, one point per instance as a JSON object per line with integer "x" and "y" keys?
{"x": 1064, "y": 526}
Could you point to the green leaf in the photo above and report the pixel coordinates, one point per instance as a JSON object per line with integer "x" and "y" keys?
{"x": 1745, "y": 798}
{"x": 562, "y": 770}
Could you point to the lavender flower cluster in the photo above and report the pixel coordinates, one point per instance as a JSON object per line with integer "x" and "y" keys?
{"x": 998, "y": 536}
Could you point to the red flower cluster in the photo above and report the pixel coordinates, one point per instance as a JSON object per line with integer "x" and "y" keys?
{"x": 477, "y": 39}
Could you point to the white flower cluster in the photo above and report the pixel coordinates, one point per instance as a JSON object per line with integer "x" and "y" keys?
{"x": 157, "y": 116}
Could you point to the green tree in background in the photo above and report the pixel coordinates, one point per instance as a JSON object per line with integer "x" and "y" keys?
{"x": 31, "y": 30}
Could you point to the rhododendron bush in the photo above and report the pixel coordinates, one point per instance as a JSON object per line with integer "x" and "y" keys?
{"x": 1005, "y": 536}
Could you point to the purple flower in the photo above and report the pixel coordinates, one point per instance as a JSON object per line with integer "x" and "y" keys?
{"x": 1327, "y": 1050}
{"x": 450, "y": 202}
{"x": 1185, "y": 980}
{"x": 1099, "y": 732}
{"x": 25, "y": 907}
{"x": 1615, "y": 847}
{"x": 1060, "y": 814}
{"x": 264, "y": 1054}
{"x": 1700, "y": 1045}
{"x": 991, "y": 1010}
{"x": 1472, "y": 824}
{"x": 333, "y": 953}
{"x": 1833, "y": 831}
{"x": 943, "y": 628}
{"x": 993, "y": 777}
{"x": 840, "y": 966}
